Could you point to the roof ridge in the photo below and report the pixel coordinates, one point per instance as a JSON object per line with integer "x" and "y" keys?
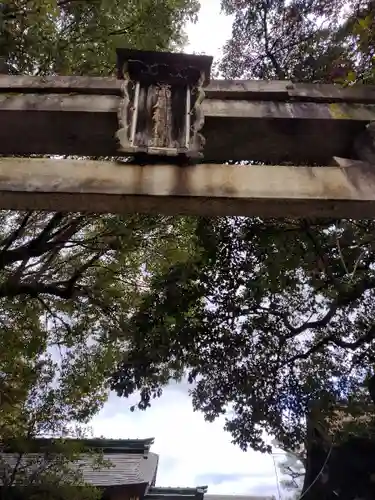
{"x": 160, "y": 491}
{"x": 136, "y": 446}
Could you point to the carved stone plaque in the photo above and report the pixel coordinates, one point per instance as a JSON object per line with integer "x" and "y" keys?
{"x": 161, "y": 110}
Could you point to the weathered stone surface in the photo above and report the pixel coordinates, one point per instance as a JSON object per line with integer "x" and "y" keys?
{"x": 272, "y": 122}
{"x": 207, "y": 189}
{"x": 218, "y": 89}
{"x": 268, "y": 131}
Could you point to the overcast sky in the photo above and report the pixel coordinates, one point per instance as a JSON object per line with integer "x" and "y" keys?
{"x": 212, "y": 30}
{"x": 192, "y": 451}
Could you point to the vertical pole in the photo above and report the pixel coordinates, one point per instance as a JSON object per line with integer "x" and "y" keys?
{"x": 135, "y": 114}
{"x": 187, "y": 117}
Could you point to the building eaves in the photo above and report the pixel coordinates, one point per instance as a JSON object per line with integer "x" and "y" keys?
{"x": 160, "y": 493}
{"x": 238, "y": 497}
{"x": 128, "y": 446}
{"x": 107, "y": 446}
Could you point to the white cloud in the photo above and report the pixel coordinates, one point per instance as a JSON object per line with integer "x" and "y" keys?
{"x": 192, "y": 452}
{"x": 212, "y": 30}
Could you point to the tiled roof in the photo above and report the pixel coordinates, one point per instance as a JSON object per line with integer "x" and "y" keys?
{"x": 127, "y": 469}
{"x": 131, "y": 463}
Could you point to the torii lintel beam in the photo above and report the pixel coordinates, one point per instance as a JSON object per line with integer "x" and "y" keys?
{"x": 273, "y": 122}
{"x": 165, "y": 114}
{"x": 344, "y": 190}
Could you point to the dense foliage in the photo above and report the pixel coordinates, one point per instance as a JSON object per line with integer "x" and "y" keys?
{"x": 302, "y": 40}
{"x": 271, "y": 314}
{"x": 68, "y": 285}
{"x": 261, "y": 316}
{"x": 80, "y": 36}
{"x": 69, "y": 282}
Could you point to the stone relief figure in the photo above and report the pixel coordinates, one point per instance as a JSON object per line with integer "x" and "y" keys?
{"x": 161, "y": 110}
{"x": 162, "y": 117}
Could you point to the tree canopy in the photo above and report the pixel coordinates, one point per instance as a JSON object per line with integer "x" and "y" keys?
{"x": 78, "y": 37}
{"x": 262, "y": 316}
{"x": 270, "y": 314}
{"x": 39, "y": 399}
{"x": 69, "y": 282}
{"x": 68, "y": 285}
{"x": 302, "y": 40}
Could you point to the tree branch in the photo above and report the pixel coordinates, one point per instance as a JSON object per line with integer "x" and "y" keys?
{"x": 343, "y": 299}
{"x": 7, "y": 242}
{"x": 319, "y": 323}
{"x": 279, "y": 72}
{"x": 55, "y": 315}
{"x": 41, "y": 244}
{"x": 331, "y": 339}
{"x": 60, "y": 289}
{"x": 80, "y": 271}
{"x": 31, "y": 248}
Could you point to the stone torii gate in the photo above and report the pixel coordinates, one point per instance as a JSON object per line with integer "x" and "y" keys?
{"x": 312, "y": 144}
